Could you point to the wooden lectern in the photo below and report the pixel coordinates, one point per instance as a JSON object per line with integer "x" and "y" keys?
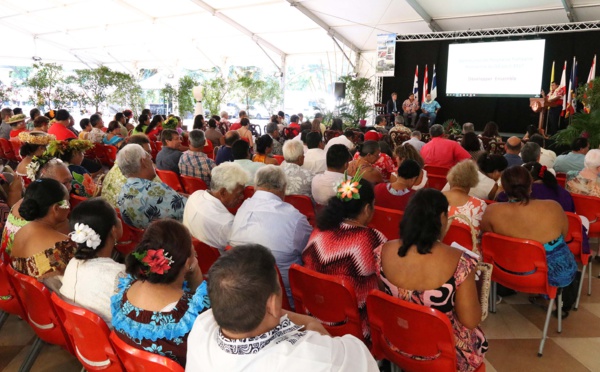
{"x": 539, "y": 105}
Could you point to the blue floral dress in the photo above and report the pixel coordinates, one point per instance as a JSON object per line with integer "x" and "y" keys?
{"x": 160, "y": 332}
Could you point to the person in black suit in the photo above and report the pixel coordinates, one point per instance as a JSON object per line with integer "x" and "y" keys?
{"x": 393, "y": 107}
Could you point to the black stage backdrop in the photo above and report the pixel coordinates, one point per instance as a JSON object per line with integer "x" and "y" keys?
{"x": 511, "y": 114}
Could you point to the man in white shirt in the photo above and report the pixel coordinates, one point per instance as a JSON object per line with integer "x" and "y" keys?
{"x": 267, "y": 220}
{"x": 298, "y": 179}
{"x": 206, "y": 214}
{"x": 415, "y": 140}
{"x": 246, "y": 329}
{"x": 345, "y": 139}
{"x": 314, "y": 159}
{"x": 547, "y": 157}
{"x": 241, "y": 155}
{"x": 323, "y": 185}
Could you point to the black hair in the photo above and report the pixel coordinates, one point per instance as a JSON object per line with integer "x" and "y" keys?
{"x": 231, "y": 137}
{"x": 470, "y": 142}
{"x": 409, "y": 169}
{"x": 147, "y": 112}
{"x": 379, "y": 119}
{"x": 156, "y": 119}
{"x": 240, "y": 149}
{"x": 100, "y": 217}
{"x": 303, "y": 135}
{"x": 294, "y": 118}
{"x": 306, "y": 126}
{"x": 119, "y": 116}
{"x": 216, "y": 117}
{"x": 17, "y": 111}
{"x": 337, "y": 124}
{"x": 531, "y": 130}
{"x": 167, "y": 135}
{"x": 262, "y": 143}
{"x": 62, "y": 115}
{"x": 139, "y": 139}
{"x": 212, "y": 123}
{"x": 244, "y": 122}
{"x": 83, "y": 123}
{"x": 516, "y": 182}
{"x": 385, "y": 148}
{"x": 539, "y": 139}
{"x": 28, "y": 149}
{"x": 33, "y": 112}
{"x": 421, "y": 225}
{"x": 198, "y": 122}
{"x": 579, "y": 143}
{"x": 367, "y": 148}
{"x": 240, "y": 284}
{"x": 275, "y": 118}
{"x": 95, "y": 119}
{"x": 337, "y": 156}
{"x": 337, "y": 210}
{"x": 281, "y": 114}
{"x": 490, "y": 130}
{"x": 313, "y": 140}
{"x": 167, "y": 234}
{"x": 40, "y": 121}
{"x": 535, "y": 170}
{"x": 489, "y": 163}
{"x": 40, "y": 195}
{"x": 141, "y": 122}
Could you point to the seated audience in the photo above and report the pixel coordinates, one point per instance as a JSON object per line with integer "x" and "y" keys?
{"x": 420, "y": 268}
{"x": 368, "y": 154}
{"x": 587, "y": 181}
{"x": 490, "y": 170}
{"x": 168, "y": 157}
{"x": 470, "y": 128}
{"x": 91, "y": 277}
{"x": 384, "y": 164}
{"x": 214, "y": 135}
{"x": 225, "y": 153}
{"x": 143, "y": 123}
{"x": 86, "y": 128}
{"x": 540, "y": 220}
{"x": 396, "y": 194}
{"x": 415, "y": 141}
{"x": 247, "y": 330}
{"x": 114, "y": 135}
{"x": 141, "y": 199}
{"x": 513, "y": 148}
{"x": 399, "y": 126}
{"x": 346, "y": 139}
{"x": 241, "y": 154}
{"x": 442, "y": 152}
{"x": 267, "y": 220}
{"x": 574, "y": 160}
{"x": 32, "y": 144}
{"x": 41, "y": 124}
{"x": 471, "y": 143}
{"x": 237, "y": 125}
{"x": 34, "y": 113}
{"x": 272, "y": 130}
{"x": 323, "y": 185}
{"x": 97, "y": 133}
{"x": 194, "y": 162}
{"x": 548, "y": 157}
{"x": 342, "y": 244}
{"x": 199, "y": 122}
{"x": 298, "y": 179}
{"x": 245, "y": 132}
{"x": 315, "y": 158}
{"x": 380, "y": 124}
{"x": 17, "y": 125}
{"x": 206, "y": 212}
{"x": 490, "y": 132}
{"x": 60, "y": 127}
{"x": 71, "y": 152}
{"x": 405, "y": 152}
{"x": 163, "y": 294}
{"x": 39, "y": 249}
{"x": 155, "y": 127}
{"x": 264, "y": 146}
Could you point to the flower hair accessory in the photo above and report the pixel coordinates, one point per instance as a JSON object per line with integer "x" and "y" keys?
{"x": 35, "y": 165}
{"x": 36, "y": 138}
{"x": 542, "y": 171}
{"x": 157, "y": 261}
{"x": 58, "y": 148}
{"x": 85, "y": 234}
{"x": 349, "y": 189}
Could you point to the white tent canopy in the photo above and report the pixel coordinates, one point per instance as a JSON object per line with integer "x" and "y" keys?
{"x": 201, "y": 34}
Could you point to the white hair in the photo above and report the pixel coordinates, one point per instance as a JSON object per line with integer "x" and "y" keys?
{"x": 129, "y": 159}
{"x": 228, "y": 176}
{"x": 224, "y": 113}
{"x": 292, "y": 150}
{"x": 592, "y": 159}
{"x": 270, "y": 177}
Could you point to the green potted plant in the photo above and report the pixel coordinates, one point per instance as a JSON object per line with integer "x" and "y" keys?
{"x": 355, "y": 106}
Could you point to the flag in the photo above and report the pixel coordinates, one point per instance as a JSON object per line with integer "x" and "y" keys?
{"x": 433, "y": 85}
{"x": 570, "y": 101}
{"x": 562, "y": 87}
{"x": 425, "y": 85}
{"x": 591, "y": 77}
{"x": 552, "y": 74}
{"x": 416, "y": 84}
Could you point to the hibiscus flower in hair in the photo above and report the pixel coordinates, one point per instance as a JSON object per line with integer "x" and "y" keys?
{"x": 158, "y": 261}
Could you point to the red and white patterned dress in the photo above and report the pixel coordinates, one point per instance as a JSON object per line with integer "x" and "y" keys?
{"x": 385, "y": 164}
{"x": 347, "y": 252}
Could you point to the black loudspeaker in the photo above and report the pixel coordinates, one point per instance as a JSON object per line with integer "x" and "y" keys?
{"x": 340, "y": 90}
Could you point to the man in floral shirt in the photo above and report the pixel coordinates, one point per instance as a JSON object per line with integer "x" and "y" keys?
{"x": 141, "y": 199}
{"x": 299, "y": 180}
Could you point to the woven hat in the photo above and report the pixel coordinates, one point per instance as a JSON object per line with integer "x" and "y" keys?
{"x": 36, "y": 138}
{"x": 16, "y": 118}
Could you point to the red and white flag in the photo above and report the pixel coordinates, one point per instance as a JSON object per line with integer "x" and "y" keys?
{"x": 562, "y": 87}
{"x": 425, "y": 85}
{"x": 591, "y": 77}
{"x": 416, "y": 84}
{"x": 570, "y": 101}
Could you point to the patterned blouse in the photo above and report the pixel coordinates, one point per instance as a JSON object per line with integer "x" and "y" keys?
{"x": 581, "y": 185}
{"x": 385, "y": 164}
{"x": 299, "y": 180}
{"x": 50, "y": 262}
{"x": 160, "y": 332}
{"x": 11, "y": 227}
{"x": 142, "y": 201}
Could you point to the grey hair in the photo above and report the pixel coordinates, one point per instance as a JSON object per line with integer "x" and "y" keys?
{"x": 197, "y": 138}
{"x": 292, "y": 150}
{"x": 468, "y": 127}
{"x": 48, "y": 170}
{"x": 228, "y": 176}
{"x": 272, "y": 127}
{"x": 592, "y": 159}
{"x": 129, "y": 159}
{"x": 399, "y": 119}
{"x": 436, "y": 130}
{"x": 270, "y": 177}
{"x": 224, "y": 113}
{"x": 416, "y": 133}
{"x": 531, "y": 151}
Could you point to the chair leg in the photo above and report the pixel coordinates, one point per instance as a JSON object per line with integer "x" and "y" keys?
{"x": 548, "y": 315}
{"x": 3, "y": 318}
{"x": 583, "y": 270}
{"x": 492, "y": 298}
{"x": 559, "y": 310}
{"x": 590, "y": 278}
{"x": 395, "y": 368}
{"x": 32, "y": 355}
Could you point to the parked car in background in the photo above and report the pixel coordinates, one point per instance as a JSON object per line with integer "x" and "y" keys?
{"x": 258, "y": 112}
{"x": 232, "y": 109}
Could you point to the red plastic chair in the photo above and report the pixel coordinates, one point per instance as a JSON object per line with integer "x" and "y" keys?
{"x": 521, "y": 265}
{"x": 130, "y": 238}
{"x": 398, "y": 325}
{"x": 329, "y": 299}
{"x": 74, "y": 200}
{"x": 2, "y": 154}
{"x": 207, "y": 255}
{"x": 279, "y": 158}
{"x": 304, "y": 205}
{"x": 290, "y": 133}
{"x": 89, "y": 335}
{"x": 110, "y": 155}
{"x": 10, "y": 303}
{"x": 434, "y": 169}
{"x": 138, "y": 360}
{"x": 192, "y": 184}
{"x": 285, "y": 301}
{"x": 589, "y": 206}
{"x": 387, "y": 221}
{"x": 574, "y": 240}
{"x": 460, "y": 233}
{"x": 16, "y": 146}
{"x": 436, "y": 181}
{"x": 561, "y": 178}
{"x": 170, "y": 178}
{"x": 8, "y": 150}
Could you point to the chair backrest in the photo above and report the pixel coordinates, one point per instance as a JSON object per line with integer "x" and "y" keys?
{"x": 401, "y": 329}
{"x": 89, "y": 335}
{"x": 329, "y": 299}
{"x": 74, "y": 200}
{"x": 561, "y": 178}
{"x": 285, "y": 302}
{"x": 39, "y": 310}
{"x": 7, "y": 149}
{"x": 9, "y": 297}
{"x": 519, "y": 264}
{"x": 460, "y": 233}
{"x": 130, "y": 238}
{"x": 279, "y": 158}
{"x": 574, "y": 238}
{"x": 589, "y": 206}
{"x": 207, "y": 255}
{"x": 192, "y": 184}
{"x": 436, "y": 181}
{"x": 16, "y": 146}
{"x": 387, "y": 221}
{"x": 138, "y": 360}
{"x": 434, "y": 169}
{"x": 290, "y": 132}
{"x": 111, "y": 155}
{"x": 304, "y": 205}
{"x": 248, "y": 192}
{"x": 170, "y": 178}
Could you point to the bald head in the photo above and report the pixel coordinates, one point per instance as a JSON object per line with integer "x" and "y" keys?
{"x": 513, "y": 145}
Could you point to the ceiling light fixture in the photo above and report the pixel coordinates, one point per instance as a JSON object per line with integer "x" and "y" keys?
{"x": 36, "y": 58}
